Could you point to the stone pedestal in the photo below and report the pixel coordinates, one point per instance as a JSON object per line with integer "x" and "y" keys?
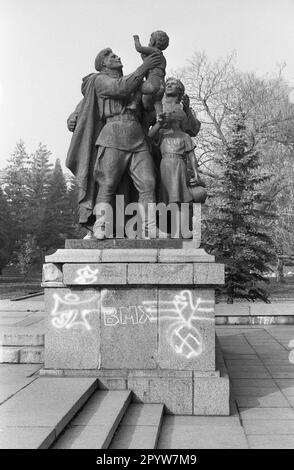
{"x": 137, "y": 314}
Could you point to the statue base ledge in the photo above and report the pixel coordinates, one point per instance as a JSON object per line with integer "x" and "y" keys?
{"x": 115, "y": 243}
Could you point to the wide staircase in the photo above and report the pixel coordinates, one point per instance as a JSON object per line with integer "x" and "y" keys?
{"x": 72, "y": 413}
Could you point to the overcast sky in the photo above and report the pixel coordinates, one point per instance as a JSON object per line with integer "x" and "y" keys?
{"x": 47, "y": 46}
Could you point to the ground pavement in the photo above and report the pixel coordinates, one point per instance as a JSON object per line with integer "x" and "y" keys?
{"x": 260, "y": 361}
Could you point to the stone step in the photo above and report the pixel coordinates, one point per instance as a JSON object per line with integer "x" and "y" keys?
{"x": 21, "y": 355}
{"x": 140, "y": 427}
{"x": 22, "y": 337}
{"x": 95, "y": 425}
{"x": 35, "y": 416}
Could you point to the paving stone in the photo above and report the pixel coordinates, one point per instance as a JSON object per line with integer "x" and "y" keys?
{"x": 224, "y": 309}
{"x": 274, "y": 309}
{"x": 254, "y": 361}
{"x": 238, "y": 320}
{"x": 247, "y": 358}
{"x": 11, "y": 387}
{"x": 248, "y": 372}
{"x": 238, "y": 349}
{"x": 253, "y": 382}
{"x": 243, "y": 391}
{"x": 271, "y": 442}
{"x": 176, "y": 394}
{"x": 266, "y": 413}
{"x": 264, "y": 401}
{"x": 286, "y": 386}
{"x": 129, "y": 329}
{"x": 282, "y": 371}
{"x": 186, "y": 329}
{"x": 221, "y": 320}
{"x": 202, "y": 437}
{"x": 274, "y": 426}
{"x": 165, "y": 273}
{"x": 209, "y": 273}
{"x": 26, "y": 437}
{"x": 128, "y": 255}
{"x": 11, "y": 372}
{"x": 95, "y": 274}
{"x": 73, "y": 329}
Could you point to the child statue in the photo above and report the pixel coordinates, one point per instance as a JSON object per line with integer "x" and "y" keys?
{"x": 153, "y": 88}
{"x": 175, "y": 147}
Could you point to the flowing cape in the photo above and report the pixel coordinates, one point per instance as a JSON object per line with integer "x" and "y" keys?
{"x": 82, "y": 153}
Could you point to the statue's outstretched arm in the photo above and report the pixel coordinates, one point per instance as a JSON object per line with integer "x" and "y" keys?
{"x": 122, "y": 87}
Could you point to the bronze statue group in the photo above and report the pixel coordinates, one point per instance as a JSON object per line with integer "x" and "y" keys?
{"x": 132, "y": 136}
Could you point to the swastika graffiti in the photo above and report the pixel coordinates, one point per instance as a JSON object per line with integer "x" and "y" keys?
{"x": 182, "y": 334}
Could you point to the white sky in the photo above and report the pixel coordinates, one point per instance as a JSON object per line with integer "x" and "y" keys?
{"x": 47, "y": 46}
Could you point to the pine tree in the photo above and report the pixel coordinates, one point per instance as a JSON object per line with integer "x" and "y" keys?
{"x": 237, "y": 222}
{"x": 5, "y": 229}
{"x": 40, "y": 171}
{"x": 58, "y": 223}
{"x": 16, "y": 189}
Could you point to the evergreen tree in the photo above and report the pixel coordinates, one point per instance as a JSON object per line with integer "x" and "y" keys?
{"x": 40, "y": 171}
{"x": 58, "y": 223}
{"x": 237, "y": 222}
{"x": 5, "y": 230}
{"x": 16, "y": 189}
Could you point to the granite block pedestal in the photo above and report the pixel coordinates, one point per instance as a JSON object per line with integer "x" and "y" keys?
{"x": 139, "y": 315}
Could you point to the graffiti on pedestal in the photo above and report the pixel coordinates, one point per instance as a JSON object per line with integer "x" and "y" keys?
{"x": 86, "y": 275}
{"x": 181, "y": 312}
{"x": 180, "y": 315}
{"x": 71, "y": 312}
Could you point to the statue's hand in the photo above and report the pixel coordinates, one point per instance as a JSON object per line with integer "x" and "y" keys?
{"x": 186, "y": 103}
{"x": 152, "y": 61}
{"x": 72, "y": 122}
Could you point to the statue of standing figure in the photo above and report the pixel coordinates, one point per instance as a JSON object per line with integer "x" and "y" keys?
{"x": 109, "y": 140}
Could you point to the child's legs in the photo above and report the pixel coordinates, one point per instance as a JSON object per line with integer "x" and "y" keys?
{"x": 151, "y": 86}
